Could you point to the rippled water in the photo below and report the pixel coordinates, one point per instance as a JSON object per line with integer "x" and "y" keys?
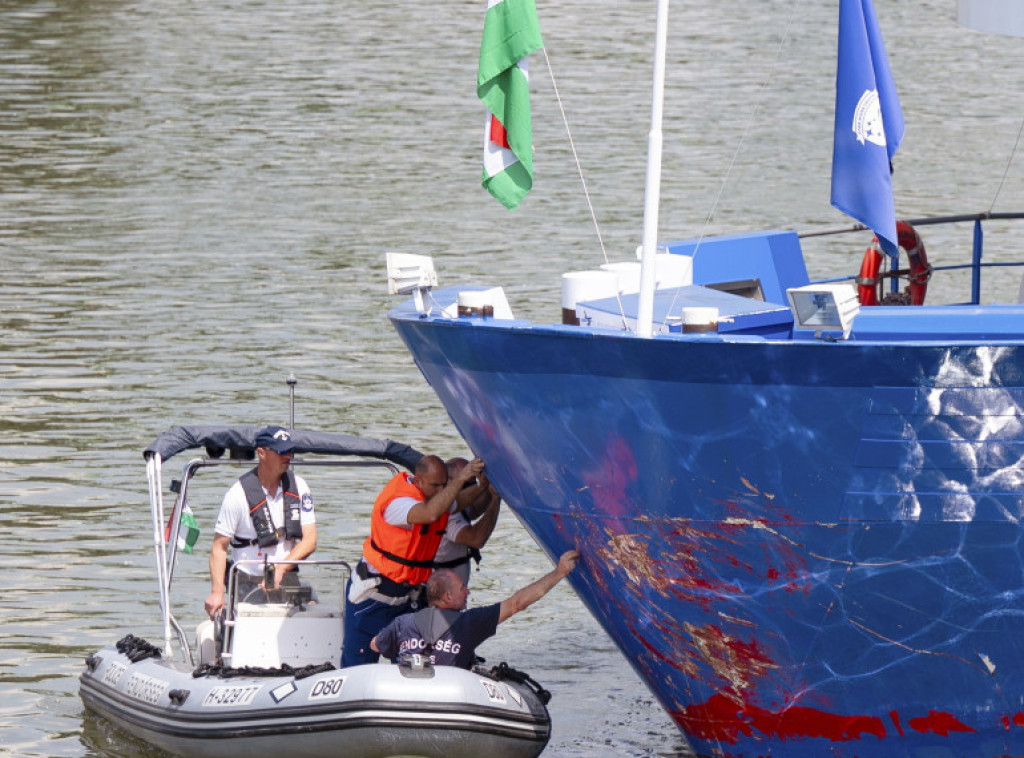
{"x": 195, "y": 200}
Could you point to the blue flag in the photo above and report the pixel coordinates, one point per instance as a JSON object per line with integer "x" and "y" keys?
{"x": 869, "y": 124}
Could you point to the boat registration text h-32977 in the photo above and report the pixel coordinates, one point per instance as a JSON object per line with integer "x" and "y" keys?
{"x": 225, "y": 696}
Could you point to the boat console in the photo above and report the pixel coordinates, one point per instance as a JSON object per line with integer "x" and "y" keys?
{"x": 269, "y": 635}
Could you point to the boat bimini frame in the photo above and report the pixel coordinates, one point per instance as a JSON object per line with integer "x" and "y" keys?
{"x": 216, "y": 641}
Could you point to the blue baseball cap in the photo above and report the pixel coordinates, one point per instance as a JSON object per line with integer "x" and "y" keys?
{"x": 277, "y": 438}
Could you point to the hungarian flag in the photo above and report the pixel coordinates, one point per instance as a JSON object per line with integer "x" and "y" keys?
{"x": 869, "y": 124}
{"x": 188, "y": 530}
{"x": 511, "y": 33}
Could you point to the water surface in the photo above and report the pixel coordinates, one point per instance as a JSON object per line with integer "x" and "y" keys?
{"x": 195, "y": 201}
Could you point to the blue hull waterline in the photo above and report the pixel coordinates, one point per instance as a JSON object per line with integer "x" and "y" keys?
{"x": 805, "y": 546}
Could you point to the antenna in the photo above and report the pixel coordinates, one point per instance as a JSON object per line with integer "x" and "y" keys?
{"x": 292, "y": 381}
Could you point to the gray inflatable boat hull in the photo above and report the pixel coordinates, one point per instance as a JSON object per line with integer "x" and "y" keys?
{"x": 372, "y": 711}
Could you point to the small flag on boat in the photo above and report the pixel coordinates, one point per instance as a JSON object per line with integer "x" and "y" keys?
{"x": 869, "y": 124}
{"x": 188, "y": 530}
{"x": 511, "y": 33}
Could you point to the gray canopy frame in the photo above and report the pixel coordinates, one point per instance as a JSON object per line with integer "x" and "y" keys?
{"x": 239, "y": 442}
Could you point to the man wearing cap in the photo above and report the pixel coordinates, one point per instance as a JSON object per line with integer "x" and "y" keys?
{"x": 267, "y": 515}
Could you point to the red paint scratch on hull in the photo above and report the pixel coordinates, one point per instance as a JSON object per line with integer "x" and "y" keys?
{"x": 895, "y": 716}
{"x": 724, "y": 720}
{"x": 939, "y": 723}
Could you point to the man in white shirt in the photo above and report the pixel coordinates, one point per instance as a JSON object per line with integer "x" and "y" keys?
{"x": 267, "y": 515}
{"x": 471, "y": 522}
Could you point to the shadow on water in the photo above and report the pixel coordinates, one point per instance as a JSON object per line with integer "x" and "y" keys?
{"x": 101, "y": 738}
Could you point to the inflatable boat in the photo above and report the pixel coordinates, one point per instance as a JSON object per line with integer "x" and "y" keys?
{"x": 262, "y": 680}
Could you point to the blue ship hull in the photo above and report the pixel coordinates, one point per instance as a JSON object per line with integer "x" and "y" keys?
{"x": 806, "y": 548}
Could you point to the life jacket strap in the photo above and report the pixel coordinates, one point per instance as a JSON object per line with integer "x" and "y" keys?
{"x": 472, "y": 553}
{"x": 399, "y": 559}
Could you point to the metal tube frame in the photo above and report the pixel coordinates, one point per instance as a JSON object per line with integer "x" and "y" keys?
{"x": 167, "y": 552}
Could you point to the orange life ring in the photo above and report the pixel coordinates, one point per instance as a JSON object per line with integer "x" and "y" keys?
{"x": 920, "y": 270}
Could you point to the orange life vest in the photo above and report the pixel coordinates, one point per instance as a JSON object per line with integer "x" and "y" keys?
{"x": 402, "y": 555}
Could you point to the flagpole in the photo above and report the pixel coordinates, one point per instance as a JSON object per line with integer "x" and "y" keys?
{"x": 652, "y": 194}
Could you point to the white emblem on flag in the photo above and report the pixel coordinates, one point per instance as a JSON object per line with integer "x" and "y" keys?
{"x": 867, "y": 119}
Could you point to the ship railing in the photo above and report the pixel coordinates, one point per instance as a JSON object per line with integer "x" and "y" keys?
{"x": 977, "y": 250}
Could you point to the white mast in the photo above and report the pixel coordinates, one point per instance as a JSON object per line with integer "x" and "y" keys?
{"x": 645, "y": 308}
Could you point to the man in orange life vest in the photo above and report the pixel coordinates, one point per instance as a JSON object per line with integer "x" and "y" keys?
{"x": 408, "y": 520}
{"x": 267, "y": 512}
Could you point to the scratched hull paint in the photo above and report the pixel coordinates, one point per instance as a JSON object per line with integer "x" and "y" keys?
{"x": 804, "y": 548}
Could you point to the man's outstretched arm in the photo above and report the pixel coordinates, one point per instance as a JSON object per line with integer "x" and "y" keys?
{"x": 531, "y": 593}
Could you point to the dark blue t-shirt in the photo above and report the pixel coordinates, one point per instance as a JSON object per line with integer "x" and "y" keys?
{"x": 456, "y": 647}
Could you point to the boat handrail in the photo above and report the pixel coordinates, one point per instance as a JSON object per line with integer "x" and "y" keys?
{"x": 924, "y": 221}
{"x": 952, "y": 267}
{"x": 977, "y": 245}
{"x": 182, "y": 638}
{"x": 167, "y": 552}
{"x": 190, "y": 468}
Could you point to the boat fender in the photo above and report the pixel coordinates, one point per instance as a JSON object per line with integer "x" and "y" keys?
{"x": 920, "y": 270}
{"x": 218, "y": 629}
{"x": 259, "y": 511}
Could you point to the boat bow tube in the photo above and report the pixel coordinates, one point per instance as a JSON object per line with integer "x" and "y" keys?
{"x": 374, "y": 711}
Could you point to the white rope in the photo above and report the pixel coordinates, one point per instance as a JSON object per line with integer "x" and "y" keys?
{"x": 1006, "y": 171}
{"x": 575, "y": 155}
{"x": 583, "y": 181}
{"x": 783, "y": 41}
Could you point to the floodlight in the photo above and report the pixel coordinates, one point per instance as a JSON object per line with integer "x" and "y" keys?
{"x": 824, "y": 307}
{"x": 410, "y": 273}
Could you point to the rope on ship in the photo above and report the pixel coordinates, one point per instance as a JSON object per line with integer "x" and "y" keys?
{"x": 136, "y": 649}
{"x": 227, "y": 672}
